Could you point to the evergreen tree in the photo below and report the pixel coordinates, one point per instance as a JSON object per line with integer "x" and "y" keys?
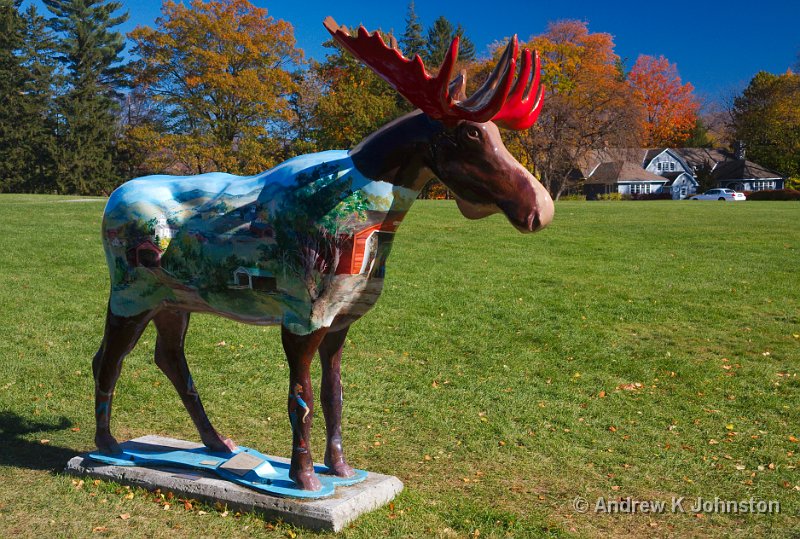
{"x": 412, "y": 41}
{"x": 440, "y": 35}
{"x": 39, "y": 129}
{"x": 12, "y": 83}
{"x": 466, "y": 48}
{"x": 26, "y": 89}
{"x": 89, "y": 52}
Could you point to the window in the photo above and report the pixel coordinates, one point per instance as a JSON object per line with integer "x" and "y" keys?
{"x": 671, "y": 166}
{"x": 762, "y": 185}
{"x": 660, "y": 166}
{"x": 640, "y": 188}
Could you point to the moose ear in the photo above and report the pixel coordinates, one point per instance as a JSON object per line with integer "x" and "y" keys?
{"x": 458, "y": 86}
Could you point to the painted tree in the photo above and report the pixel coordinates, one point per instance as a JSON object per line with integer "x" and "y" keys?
{"x": 412, "y": 41}
{"x": 89, "y": 52}
{"x": 670, "y": 105}
{"x": 588, "y": 106}
{"x": 766, "y": 117}
{"x": 220, "y": 72}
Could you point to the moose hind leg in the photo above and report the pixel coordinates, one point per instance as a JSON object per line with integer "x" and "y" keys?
{"x": 300, "y": 351}
{"x": 330, "y": 353}
{"x": 170, "y": 358}
{"x": 121, "y": 334}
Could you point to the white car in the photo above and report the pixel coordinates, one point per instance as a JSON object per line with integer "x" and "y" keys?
{"x": 720, "y": 194}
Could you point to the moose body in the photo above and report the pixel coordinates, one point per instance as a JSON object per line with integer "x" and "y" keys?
{"x": 304, "y": 244}
{"x": 301, "y": 245}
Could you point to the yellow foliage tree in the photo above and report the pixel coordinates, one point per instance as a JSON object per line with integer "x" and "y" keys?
{"x": 219, "y": 75}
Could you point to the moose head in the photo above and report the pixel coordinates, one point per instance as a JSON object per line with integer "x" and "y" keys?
{"x": 454, "y": 136}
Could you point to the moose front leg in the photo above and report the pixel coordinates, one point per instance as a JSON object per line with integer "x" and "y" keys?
{"x": 330, "y": 352}
{"x": 300, "y": 350}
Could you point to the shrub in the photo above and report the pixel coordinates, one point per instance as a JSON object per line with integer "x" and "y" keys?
{"x": 652, "y": 196}
{"x": 572, "y": 197}
{"x": 777, "y": 194}
{"x": 610, "y": 196}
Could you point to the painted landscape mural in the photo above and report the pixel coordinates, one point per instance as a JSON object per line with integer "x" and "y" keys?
{"x": 273, "y": 248}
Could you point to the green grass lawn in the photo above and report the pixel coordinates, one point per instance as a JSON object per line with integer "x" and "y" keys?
{"x": 642, "y": 349}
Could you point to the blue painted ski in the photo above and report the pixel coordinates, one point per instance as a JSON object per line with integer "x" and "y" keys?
{"x": 244, "y": 466}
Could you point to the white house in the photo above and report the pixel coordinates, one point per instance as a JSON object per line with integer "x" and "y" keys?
{"x": 671, "y": 172}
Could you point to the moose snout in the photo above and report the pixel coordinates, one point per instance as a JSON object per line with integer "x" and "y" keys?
{"x": 540, "y": 208}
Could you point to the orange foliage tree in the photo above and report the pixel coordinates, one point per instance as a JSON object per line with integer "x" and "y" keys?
{"x": 670, "y": 106}
{"x": 588, "y": 106}
{"x": 219, "y": 76}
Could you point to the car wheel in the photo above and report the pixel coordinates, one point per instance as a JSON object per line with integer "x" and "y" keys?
{"x": 721, "y": 198}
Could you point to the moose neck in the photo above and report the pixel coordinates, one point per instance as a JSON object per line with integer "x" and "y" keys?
{"x": 399, "y": 152}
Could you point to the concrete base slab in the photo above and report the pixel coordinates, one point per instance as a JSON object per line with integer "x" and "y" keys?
{"x": 328, "y": 514}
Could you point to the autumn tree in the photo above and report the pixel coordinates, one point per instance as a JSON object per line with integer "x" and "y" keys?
{"x": 220, "y": 73}
{"x": 670, "y": 106}
{"x": 587, "y": 104}
{"x": 354, "y": 102}
{"x": 766, "y": 117}
{"x": 88, "y": 49}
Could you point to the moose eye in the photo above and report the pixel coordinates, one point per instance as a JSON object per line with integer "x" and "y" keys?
{"x": 473, "y": 133}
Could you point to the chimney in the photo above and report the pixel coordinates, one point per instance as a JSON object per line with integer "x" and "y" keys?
{"x": 738, "y": 150}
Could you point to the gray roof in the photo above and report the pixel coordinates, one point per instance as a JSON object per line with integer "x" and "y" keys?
{"x": 622, "y": 171}
{"x": 741, "y": 169}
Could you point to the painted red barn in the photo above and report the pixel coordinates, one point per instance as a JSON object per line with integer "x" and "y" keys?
{"x": 146, "y": 254}
{"x": 360, "y": 251}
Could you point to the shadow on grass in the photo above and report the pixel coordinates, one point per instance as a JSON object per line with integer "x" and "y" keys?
{"x": 22, "y": 453}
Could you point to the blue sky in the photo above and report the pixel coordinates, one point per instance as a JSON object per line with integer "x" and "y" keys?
{"x": 718, "y": 46}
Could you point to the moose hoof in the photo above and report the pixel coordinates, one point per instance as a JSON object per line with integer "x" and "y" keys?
{"x": 341, "y": 469}
{"x": 221, "y": 445}
{"x": 107, "y": 444}
{"x": 306, "y": 480}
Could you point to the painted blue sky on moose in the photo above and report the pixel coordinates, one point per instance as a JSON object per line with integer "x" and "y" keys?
{"x": 718, "y": 46}
{"x": 160, "y": 190}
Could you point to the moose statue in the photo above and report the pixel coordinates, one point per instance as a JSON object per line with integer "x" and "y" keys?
{"x": 304, "y": 244}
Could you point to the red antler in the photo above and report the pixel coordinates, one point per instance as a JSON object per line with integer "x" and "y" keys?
{"x": 436, "y": 96}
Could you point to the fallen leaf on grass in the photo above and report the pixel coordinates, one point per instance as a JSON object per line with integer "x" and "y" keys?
{"x": 793, "y": 439}
{"x": 630, "y": 387}
{"x": 125, "y": 516}
{"x": 602, "y": 394}
{"x": 44, "y": 442}
{"x": 99, "y": 529}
